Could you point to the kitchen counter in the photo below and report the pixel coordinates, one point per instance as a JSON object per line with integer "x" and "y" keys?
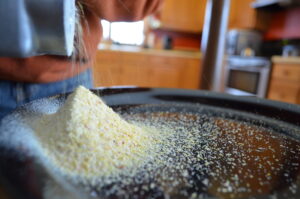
{"x": 285, "y": 80}
{"x": 285, "y": 60}
{"x": 157, "y": 52}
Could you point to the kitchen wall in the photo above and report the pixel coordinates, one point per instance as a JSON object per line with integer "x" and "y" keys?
{"x": 284, "y": 24}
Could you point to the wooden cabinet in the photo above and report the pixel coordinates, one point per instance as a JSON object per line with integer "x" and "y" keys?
{"x": 243, "y": 16}
{"x": 183, "y": 15}
{"x": 115, "y": 68}
{"x": 289, "y": 72}
{"x": 285, "y": 83}
{"x": 188, "y": 15}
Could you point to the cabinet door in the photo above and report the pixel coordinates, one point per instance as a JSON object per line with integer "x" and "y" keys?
{"x": 285, "y": 83}
{"x": 145, "y": 70}
{"x": 183, "y": 15}
{"x": 284, "y": 91}
{"x": 287, "y": 72}
{"x": 188, "y": 15}
{"x": 242, "y": 15}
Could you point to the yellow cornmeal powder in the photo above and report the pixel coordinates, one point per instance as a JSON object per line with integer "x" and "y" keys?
{"x": 86, "y": 138}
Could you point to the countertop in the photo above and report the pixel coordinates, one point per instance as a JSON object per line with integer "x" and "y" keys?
{"x": 177, "y": 53}
{"x": 286, "y": 60}
{"x": 158, "y": 52}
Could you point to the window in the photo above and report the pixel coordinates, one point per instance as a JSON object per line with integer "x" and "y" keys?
{"x": 130, "y": 33}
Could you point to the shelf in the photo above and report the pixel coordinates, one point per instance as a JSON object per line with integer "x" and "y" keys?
{"x": 267, "y": 3}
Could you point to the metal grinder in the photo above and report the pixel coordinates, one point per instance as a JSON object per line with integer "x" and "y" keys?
{"x": 37, "y": 27}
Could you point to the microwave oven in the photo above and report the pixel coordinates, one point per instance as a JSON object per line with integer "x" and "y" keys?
{"x": 247, "y": 76}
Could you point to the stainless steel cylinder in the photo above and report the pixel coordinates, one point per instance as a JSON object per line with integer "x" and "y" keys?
{"x": 36, "y": 27}
{"x": 213, "y": 43}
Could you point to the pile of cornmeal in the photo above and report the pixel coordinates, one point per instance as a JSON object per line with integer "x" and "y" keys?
{"x": 86, "y": 138}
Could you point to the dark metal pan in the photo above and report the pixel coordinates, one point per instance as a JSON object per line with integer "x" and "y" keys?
{"x": 255, "y": 154}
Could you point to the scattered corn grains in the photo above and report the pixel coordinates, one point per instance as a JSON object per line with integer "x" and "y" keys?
{"x": 171, "y": 151}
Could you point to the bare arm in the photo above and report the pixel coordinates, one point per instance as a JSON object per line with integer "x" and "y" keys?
{"x": 122, "y": 10}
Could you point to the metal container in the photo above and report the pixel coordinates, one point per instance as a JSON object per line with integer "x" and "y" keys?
{"x": 239, "y": 40}
{"x": 36, "y": 27}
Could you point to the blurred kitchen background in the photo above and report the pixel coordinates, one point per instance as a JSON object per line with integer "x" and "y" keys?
{"x": 261, "y": 56}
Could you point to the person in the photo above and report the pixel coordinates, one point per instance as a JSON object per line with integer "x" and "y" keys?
{"x": 25, "y": 79}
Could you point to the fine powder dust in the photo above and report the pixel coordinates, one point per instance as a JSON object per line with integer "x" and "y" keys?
{"x": 87, "y": 139}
